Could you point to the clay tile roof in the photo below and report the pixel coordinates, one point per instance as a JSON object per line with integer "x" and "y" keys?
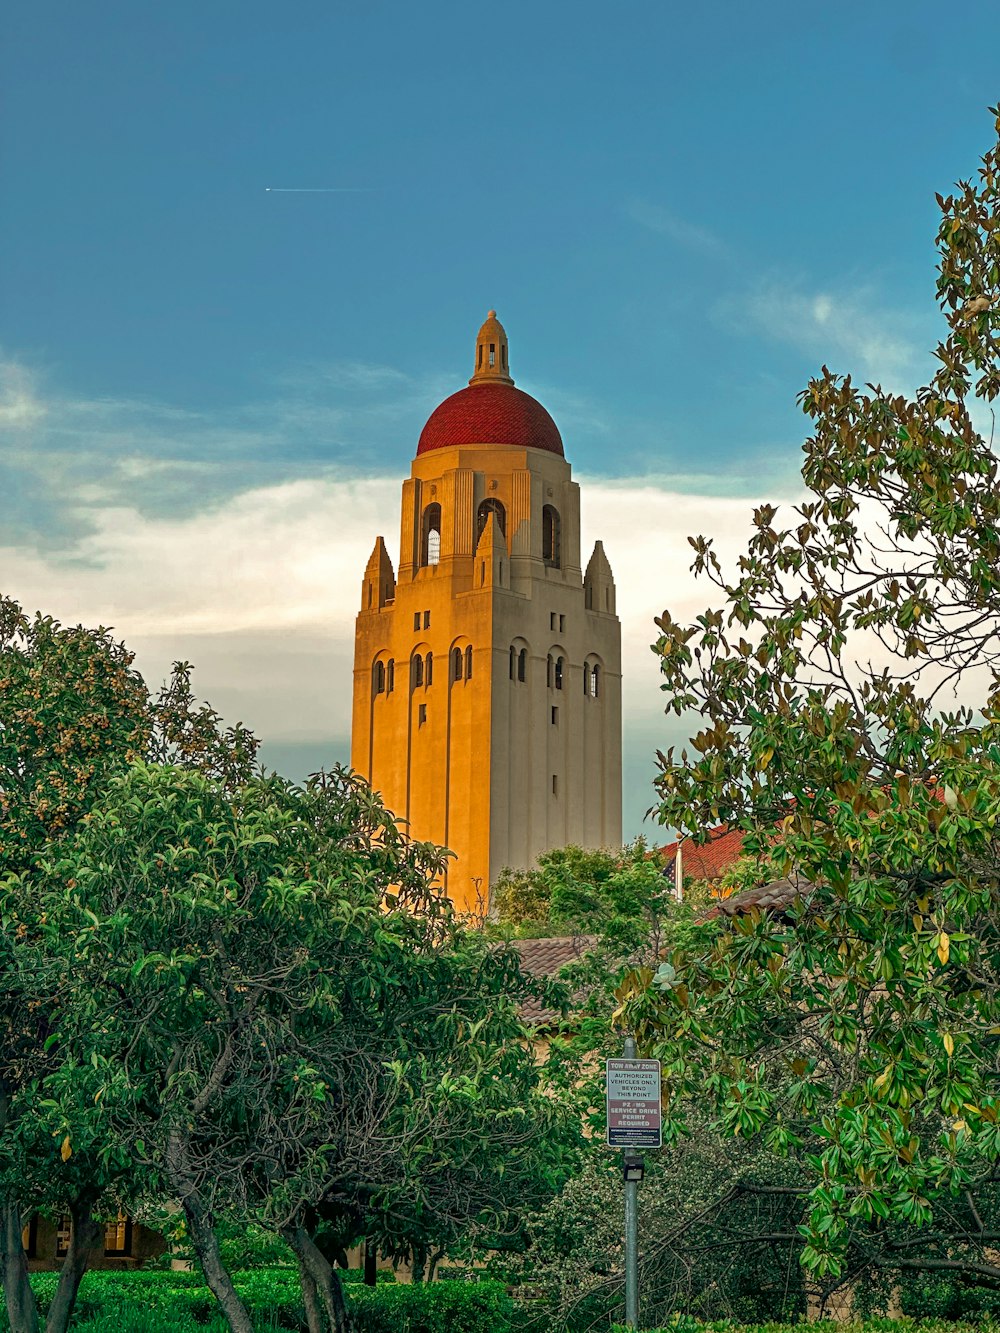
{"x": 711, "y": 859}
{"x": 490, "y": 413}
{"x": 544, "y": 958}
{"x": 775, "y": 897}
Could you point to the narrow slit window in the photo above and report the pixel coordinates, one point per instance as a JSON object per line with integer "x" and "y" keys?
{"x": 555, "y": 716}
{"x": 428, "y": 669}
{"x": 558, "y": 673}
{"x": 513, "y": 661}
{"x": 421, "y": 714}
{"x": 468, "y": 662}
{"x": 390, "y": 676}
{"x": 430, "y": 537}
{"x": 586, "y": 678}
{"x": 378, "y": 683}
{"x": 493, "y": 354}
{"x": 427, "y": 620}
{"x": 548, "y": 671}
{"x": 456, "y": 664}
{"x": 551, "y": 536}
{"x": 522, "y": 665}
{"x": 418, "y": 672}
{"x": 555, "y": 785}
{"x": 595, "y": 682}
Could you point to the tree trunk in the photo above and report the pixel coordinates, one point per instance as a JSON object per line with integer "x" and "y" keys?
{"x": 206, "y": 1246}
{"x": 201, "y": 1229}
{"x": 324, "y": 1275}
{"x": 418, "y": 1264}
{"x": 310, "y": 1299}
{"x": 84, "y": 1237}
{"x": 22, "y": 1312}
{"x": 371, "y": 1263}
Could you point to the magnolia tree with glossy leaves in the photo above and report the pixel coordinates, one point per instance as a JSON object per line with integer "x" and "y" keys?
{"x": 848, "y": 685}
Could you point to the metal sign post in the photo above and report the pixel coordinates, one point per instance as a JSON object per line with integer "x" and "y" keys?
{"x": 634, "y": 1121}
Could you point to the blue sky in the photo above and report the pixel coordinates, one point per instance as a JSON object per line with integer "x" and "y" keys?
{"x": 678, "y": 211}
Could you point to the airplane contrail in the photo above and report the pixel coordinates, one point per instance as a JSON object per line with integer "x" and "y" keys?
{"x": 313, "y": 189}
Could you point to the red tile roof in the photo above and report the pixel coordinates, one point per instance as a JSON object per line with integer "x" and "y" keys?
{"x": 544, "y": 958}
{"x": 711, "y": 859}
{"x": 490, "y": 414}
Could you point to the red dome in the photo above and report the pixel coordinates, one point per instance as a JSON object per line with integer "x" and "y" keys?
{"x": 490, "y": 413}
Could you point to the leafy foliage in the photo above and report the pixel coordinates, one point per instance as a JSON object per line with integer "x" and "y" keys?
{"x": 270, "y": 1009}
{"x": 856, "y": 1032}
{"x": 573, "y": 890}
{"x": 72, "y": 708}
{"x": 181, "y": 1301}
{"x": 693, "y": 1256}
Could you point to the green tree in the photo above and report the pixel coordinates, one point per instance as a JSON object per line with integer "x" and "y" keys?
{"x": 73, "y": 713}
{"x": 283, "y": 1022}
{"x": 856, "y": 1032}
{"x": 619, "y": 894}
{"x": 694, "y": 1218}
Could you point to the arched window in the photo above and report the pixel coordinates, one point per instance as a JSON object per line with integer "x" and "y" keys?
{"x": 513, "y": 661}
{"x": 595, "y": 682}
{"x": 390, "y": 676}
{"x": 551, "y": 537}
{"x": 558, "y": 673}
{"x": 548, "y": 671}
{"x": 430, "y": 535}
{"x": 483, "y": 517}
{"x": 468, "y": 662}
{"x": 456, "y": 664}
{"x": 378, "y": 678}
{"x": 522, "y": 665}
{"x": 586, "y": 677}
{"x": 417, "y": 671}
{"x": 428, "y": 669}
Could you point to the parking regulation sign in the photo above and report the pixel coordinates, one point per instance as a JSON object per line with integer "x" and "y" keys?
{"x": 634, "y": 1117}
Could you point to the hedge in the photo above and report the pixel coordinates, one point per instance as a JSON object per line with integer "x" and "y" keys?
{"x": 170, "y": 1302}
{"x": 686, "y": 1324}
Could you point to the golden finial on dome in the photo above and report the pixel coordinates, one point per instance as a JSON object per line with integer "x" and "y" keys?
{"x": 491, "y": 353}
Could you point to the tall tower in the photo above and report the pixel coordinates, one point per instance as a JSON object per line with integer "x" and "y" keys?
{"x": 487, "y": 673}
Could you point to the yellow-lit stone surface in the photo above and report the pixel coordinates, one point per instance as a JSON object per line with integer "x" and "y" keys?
{"x": 493, "y": 767}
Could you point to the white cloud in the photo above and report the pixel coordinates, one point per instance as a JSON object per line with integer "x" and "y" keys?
{"x": 846, "y": 329}
{"x": 665, "y": 222}
{"x": 20, "y": 405}
{"x": 261, "y": 591}
{"x": 231, "y": 541}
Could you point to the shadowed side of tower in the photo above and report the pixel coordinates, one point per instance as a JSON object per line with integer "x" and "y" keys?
{"x": 487, "y": 678}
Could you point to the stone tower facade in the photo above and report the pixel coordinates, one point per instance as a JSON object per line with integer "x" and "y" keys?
{"x": 487, "y": 670}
